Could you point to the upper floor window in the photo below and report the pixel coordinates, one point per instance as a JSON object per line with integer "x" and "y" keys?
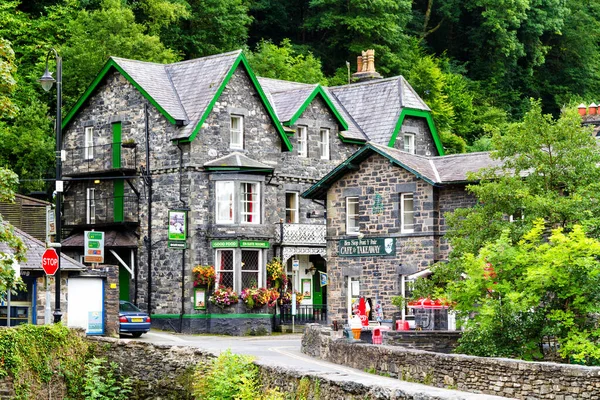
{"x": 352, "y": 227}
{"x": 302, "y": 141}
{"x": 250, "y": 203}
{"x": 224, "y": 200}
{"x": 88, "y": 146}
{"x": 90, "y": 200}
{"x": 231, "y": 196}
{"x": 236, "y": 140}
{"x": 409, "y": 143}
{"x": 324, "y": 144}
{"x": 291, "y": 207}
{"x": 407, "y": 211}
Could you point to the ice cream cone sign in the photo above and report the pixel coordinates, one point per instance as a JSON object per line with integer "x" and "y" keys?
{"x": 362, "y": 308}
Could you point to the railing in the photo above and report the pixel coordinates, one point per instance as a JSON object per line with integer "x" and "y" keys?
{"x": 305, "y": 314}
{"x": 301, "y": 234}
{"x": 101, "y": 211}
{"x": 101, "y": 158}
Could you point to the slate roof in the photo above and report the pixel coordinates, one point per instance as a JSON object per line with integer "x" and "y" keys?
{"x": 287, "y": 97}
{"x": 376, "y": 105}
{"x": 236, "y": 160}
{"x": 438, "y": 171}
{"x": 112, "y": 238}
{"x": 35, "y": 250}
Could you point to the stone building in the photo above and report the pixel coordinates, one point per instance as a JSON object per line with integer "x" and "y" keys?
{"x": 210, "y": 148}
{"x": 385, "y": 220}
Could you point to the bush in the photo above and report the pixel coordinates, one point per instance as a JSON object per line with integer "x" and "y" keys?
{"x": 102, "y": 381}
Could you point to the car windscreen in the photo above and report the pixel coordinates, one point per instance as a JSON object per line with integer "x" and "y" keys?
{"x": 128, "y": 307}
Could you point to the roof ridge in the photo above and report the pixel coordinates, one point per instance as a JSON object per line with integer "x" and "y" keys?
{"x": 404, "y": 152}
{"x": 308, "y": 86}
{"x": 222, "y": 55}
{"x": 475, "y": 153}
{"x": 371, "y": 82}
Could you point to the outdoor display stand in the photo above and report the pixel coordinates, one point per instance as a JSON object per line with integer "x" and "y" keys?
{"x": 430, "y": 314}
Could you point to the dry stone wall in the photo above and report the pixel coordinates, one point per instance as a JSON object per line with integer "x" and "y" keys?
{"x": 498, "y": 376}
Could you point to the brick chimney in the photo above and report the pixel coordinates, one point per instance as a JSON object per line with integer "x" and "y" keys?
{"x": 582, "y": 108}
{"x": 365, "y": 70}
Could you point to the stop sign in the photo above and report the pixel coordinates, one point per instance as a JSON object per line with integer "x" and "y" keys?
{"x": 50, "y": 261}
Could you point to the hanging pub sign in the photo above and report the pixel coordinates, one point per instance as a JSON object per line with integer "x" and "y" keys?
{"x": 323, "y": 278}
{"x": 367, "y": 247}
{"x": 177, "y": 225}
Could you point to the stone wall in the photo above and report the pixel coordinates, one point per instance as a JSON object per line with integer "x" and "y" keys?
{"x": 498, "y": 376}
{"x": 165, "y": 372}
{"x": 424, "y": 144}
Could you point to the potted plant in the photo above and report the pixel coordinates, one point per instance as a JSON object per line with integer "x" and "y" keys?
{"x": 255, "y": 297}
{"x": 224, "y": 297}
{"x": 276, "y": 277}
{"x": 204, "y": 275}
{"x": 129, "y": 143}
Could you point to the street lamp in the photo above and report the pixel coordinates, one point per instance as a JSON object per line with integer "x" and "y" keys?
{"x": 47, "y": 81}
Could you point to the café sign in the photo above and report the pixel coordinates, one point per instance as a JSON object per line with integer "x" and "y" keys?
{"x": 367, "y": 247}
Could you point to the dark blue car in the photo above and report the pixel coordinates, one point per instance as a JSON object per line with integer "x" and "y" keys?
{"x": 132, "y": 320}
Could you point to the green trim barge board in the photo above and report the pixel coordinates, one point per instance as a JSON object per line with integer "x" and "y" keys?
{"x": 318, "y": 91}
{"x": 421, "y": 114}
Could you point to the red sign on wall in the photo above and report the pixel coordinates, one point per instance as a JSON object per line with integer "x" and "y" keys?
{"x": 50, "y": 261}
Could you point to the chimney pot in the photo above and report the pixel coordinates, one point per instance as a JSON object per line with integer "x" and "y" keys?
{"x": 359, "y": 64}
{"x": 582, "y": 108}
{"x": 593, "y": 108}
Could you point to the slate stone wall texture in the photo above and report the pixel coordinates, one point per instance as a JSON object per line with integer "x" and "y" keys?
{"x": 165, "y": 372}
{"x": 498, "y": 376}
{"x": 379, "y": 275}
{"x": 117, "y": 100}
{"x": 424, "y": 144}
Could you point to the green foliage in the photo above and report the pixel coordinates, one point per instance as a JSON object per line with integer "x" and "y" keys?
{"x": 230, "y": 376}
{"x": 102, "y": 381}
{"x": 35, "y": 355}
{"x": 7, "y": 79}
{"x": 523, "y": 294}
{"x": 283, "y": 62}
{"x": 212, "y": 26}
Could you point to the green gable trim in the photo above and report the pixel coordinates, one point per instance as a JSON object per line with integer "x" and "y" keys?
{"x": 317, "y": 91}
{"x": 351, "y": 141}
{"x": 209, "y": 316}
{"x": 107, "y": 67}
{"x": 420, "y": 114}
{"x": 241, "y": 60}
{"x": 349, "y": 165}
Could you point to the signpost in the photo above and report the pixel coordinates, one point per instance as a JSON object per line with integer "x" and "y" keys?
{"x": 94, "y": 247}
{"x": 50, "y": 261}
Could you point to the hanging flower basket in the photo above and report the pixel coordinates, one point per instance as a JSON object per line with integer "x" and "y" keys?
{"x": 276, "y": 277}
{"x": 286, "y": 298}
{"x": 204, "y": 275}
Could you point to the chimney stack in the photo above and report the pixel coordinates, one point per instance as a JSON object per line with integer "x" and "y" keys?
{"x": 365, "y": 67}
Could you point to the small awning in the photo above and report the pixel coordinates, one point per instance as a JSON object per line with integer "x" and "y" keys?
{"x": 112, "y": 239}
{"x": 428, "y": 304}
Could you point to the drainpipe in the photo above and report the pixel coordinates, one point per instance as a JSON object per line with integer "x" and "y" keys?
{"x": 148, "y": 180}
{"x": 184, "y": 207}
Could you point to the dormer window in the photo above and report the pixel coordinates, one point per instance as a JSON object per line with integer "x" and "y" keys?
{"x": 302, "y": 141}
{"x": 409, "y": 143}
{"x": 324, "y": 144}
{"x": 236, "y": 139}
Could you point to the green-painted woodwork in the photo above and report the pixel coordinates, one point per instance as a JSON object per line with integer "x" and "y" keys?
{"x": 124, "y": 278}
{"x": 118, "y": 199}
{"x": 421, "y": 114}
{"x": 116, "y": 145}
{"x": 317, "y": 91}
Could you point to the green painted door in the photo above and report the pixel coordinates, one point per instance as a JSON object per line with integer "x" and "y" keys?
{"x": 319, "y": 292}
{"x": 119, "y": 184}
{"x": 123, "y": 283}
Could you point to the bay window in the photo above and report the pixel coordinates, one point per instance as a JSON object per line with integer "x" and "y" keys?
{"x": 250, "y": 203}
{"x": 224, "y": 200}
{"x": 237, "y": 202}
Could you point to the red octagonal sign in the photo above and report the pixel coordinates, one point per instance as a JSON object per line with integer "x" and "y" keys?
{"x": 50, "y": 261}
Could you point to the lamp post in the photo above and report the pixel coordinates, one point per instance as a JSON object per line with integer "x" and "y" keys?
{"x": 47, "y": 80}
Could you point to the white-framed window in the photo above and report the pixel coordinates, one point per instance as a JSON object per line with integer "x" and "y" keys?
{"x": 90, "y": 203}
{"x": 352, "y": 227}
{"x": 409, "y": 143}
{"x": 291, "y": 207}
{"x": 224, "y": 262}
{"x": 407, "y": 213}
{"x": 324, "y": 144}
{"x": 250, "y": 203}
{"x": 250, "y": 268}
{"x": 88, "y": 145}
{"x": 302, "y": 141}
{"x": 224, "y": 200}
{"x": 236, "y": 139}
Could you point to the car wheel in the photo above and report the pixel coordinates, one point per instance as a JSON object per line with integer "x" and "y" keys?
{"x": 136, "y": 334}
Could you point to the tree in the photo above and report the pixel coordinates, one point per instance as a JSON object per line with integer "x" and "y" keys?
{"x": 7, "y": 80}
{"x": 97, "y": 35}
{"x": 533, "y": 297}
{"x": 283, "y": 62}
{"x": 212, "y": 26}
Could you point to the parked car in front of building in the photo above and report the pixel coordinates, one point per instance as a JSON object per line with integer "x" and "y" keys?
{"x": 132, "y": 320}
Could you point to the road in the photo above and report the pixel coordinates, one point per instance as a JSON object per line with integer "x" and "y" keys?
{"x": 284, "y": 350}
